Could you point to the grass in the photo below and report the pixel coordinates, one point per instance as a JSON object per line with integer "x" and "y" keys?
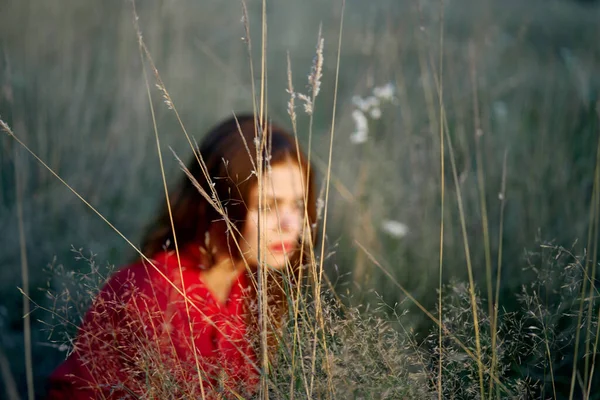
{"x": 487, "y": 149}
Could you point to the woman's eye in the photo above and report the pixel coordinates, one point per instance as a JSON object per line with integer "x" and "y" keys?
{"x": 265, "y": 208}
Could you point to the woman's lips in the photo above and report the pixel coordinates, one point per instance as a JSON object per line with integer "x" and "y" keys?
{"x": 281, "y": 247}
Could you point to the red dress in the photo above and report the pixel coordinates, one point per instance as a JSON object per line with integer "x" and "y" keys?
{"x": 137, "y": 339}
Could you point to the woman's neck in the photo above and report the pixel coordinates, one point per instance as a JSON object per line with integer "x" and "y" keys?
{"x": 220, "y": 278}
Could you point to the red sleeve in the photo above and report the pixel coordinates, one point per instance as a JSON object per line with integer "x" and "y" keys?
{"x": 138, "y": 330}
{"x": 97, "y": 360}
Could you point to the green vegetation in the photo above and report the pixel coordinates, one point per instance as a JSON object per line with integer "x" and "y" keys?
{"x": 519, "y": 113}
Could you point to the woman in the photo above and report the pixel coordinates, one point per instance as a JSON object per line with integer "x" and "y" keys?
{"x": 186, "y": 325}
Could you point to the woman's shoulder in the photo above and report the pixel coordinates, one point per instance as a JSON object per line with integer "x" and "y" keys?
{"x": 137, "y": 275}
{"x": 151, "y": 272}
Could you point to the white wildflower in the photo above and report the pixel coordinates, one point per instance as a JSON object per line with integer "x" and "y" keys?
{"x": 369, "y": 107}
{"x": 358, "y": 137}
{"x": 371, "y": 102}
{"x": 361, "y": 127}
{"x": 375, "y": 113}
{"x": 385, "y": 92}
{"x": 394, "y": 228}
{"x": 360, "y": 121}
{"x": 360, "y": 103}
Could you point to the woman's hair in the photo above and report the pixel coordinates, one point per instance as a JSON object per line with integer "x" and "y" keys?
{"x": 229, "y": 151}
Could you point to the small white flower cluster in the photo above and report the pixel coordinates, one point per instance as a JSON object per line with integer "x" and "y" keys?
{"x": 394, "y": 228}
{"x": 369, "y": 106}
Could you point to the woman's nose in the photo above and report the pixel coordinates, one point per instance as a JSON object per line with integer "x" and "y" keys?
{"x": 287, "y": 220}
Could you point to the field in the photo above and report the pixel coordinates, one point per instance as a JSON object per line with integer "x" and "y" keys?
{"x": 506, "y": 93}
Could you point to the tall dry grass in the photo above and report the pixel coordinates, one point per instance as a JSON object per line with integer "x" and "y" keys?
{"x": 486, "y": 148}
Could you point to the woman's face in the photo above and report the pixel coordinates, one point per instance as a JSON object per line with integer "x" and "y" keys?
{"x": 281, "y": 217}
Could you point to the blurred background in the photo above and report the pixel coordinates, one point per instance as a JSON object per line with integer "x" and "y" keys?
{"x": 521, "y": 86}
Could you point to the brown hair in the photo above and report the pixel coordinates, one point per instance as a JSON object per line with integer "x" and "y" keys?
{"x": 229, "y": 151}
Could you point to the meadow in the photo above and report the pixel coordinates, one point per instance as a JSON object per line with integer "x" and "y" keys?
{"x": 459, "y": 140}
